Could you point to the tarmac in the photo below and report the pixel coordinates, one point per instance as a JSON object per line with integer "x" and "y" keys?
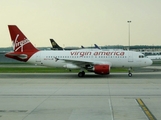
{"x": 64, "y": 96}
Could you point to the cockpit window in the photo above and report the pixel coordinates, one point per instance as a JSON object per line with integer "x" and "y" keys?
{"x": 141, "y": 56}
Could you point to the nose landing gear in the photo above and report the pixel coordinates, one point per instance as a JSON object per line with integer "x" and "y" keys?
{"x": 130, "y": 74}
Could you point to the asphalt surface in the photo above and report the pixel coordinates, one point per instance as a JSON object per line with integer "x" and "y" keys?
{"x": 64, "y": 96}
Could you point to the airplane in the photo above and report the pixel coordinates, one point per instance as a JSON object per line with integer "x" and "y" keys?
{"x": 97, "y": 61}
{"x": 96, "y": 46}
{"x": 154, "y": 57}
{"x": 55, "y": 46}
{"x": 82, "y": 46}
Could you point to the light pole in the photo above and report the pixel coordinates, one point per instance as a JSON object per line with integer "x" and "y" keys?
{"x": 129, "y": 32}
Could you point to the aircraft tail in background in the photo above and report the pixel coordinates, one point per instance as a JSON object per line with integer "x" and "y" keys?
{"x": 96, "y": 46}
{"x": 82, "y": 46}
{"x": 55, "y": 46}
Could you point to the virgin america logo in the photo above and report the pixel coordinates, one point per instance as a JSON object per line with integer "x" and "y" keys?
{"x": 19, "y": 45}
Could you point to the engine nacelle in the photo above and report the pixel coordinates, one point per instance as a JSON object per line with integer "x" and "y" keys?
{"x": 101, "y": 69}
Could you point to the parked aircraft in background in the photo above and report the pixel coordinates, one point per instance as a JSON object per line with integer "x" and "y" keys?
{"x": 55, "y": 46}
{"x": 97, "y": 61}
{"x": 154, "y": 57}
{"x": 82, "y": 46}
{"x": 96, "y": 46}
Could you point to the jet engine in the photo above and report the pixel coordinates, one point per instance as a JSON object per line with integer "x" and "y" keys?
{"x": 101, "y": 69}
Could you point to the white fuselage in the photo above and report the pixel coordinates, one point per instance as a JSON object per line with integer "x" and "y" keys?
{"x": 71, "y": 59}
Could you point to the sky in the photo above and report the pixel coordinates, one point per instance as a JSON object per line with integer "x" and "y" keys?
{"x": 82, "y": 22}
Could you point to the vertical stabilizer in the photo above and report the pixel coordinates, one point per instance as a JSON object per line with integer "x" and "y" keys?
{"x": 23, "y": 48}
{"x": 55, "y": 46}
{"x": 20, "y": 41}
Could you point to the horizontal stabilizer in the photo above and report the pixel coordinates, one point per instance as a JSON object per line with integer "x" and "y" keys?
{"x": 22, "y": 56}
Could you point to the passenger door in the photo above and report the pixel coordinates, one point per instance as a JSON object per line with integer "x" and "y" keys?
{"x": 130, "y": 56}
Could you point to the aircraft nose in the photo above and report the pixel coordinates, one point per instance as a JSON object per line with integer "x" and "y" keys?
{"x": 150, "y": 62}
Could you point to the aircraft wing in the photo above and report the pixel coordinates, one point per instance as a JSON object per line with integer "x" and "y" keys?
{"x": 83, "y": 63}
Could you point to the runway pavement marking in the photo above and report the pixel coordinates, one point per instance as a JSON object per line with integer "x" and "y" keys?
{"x": 146, "y": 110}
{"x": 111, "y": 108}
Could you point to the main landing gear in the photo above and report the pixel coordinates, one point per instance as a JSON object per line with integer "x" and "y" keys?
{"x": 81, "y": 74}
{"x": 130, "y": 74}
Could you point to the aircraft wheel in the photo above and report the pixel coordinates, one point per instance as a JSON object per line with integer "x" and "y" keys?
{"x": 130, "y": 74}
{"x": 81, "y": 74}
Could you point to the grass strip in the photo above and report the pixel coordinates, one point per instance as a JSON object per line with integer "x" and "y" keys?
{"x": 47, "y": 70}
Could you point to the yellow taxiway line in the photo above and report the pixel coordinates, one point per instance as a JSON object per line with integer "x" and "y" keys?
{"x": 145, "y": 109}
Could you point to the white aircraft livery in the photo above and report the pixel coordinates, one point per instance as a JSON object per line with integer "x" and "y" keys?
{"x": 96, "y": 61}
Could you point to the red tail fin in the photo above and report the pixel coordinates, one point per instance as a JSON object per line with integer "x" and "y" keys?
{"x": 23, "y": 48}
{"x": 20, "y": 42}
